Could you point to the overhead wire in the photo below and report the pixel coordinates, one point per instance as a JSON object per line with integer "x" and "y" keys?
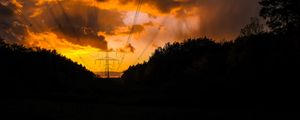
{"x": 153, "y": 37}
{"x": 67, "y": 18}
{"x": 137, "y": 12}
{"x": 151, "y": 40}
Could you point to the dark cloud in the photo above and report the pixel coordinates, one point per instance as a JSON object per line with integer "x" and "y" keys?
{"x": 138, "y": 28}
{"x": 80, "y": 23}
{"x": 149, "y": 23}
{"x": 102, "y": 0}
{"x": 218, "y": 18}
{"x": 164, "y": 6}
{"x": 127, "y": 49}
{"x": 134, "y": 29}
{"x": 75, "y": 20}
{"x": 224, "y": 19}
{"x": 5, "y": 11}
{"x": 12, "y": 26}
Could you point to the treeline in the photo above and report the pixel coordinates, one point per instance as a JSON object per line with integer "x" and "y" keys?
{"x": 40, "y": 72}
{"x": 258, "y": 67}
{"x": 261, "y": 64}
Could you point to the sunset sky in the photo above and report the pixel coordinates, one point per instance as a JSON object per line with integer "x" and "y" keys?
{"x": 83, "y": 30}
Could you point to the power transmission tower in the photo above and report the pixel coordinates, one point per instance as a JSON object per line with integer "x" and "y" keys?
{"x": 108, "y": 63}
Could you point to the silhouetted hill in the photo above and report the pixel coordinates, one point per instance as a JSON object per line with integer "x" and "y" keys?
{"x": 40, "y": 72}
{"x": 255, "y": 72}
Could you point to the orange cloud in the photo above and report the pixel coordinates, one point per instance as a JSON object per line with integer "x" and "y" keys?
{"x": 127, "y": 49}
{"x": 87, "y": 27}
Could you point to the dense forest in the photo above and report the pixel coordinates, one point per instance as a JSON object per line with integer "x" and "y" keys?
{"x": 256, "y": 66}
{"x": 254, "y": 77}
{"x": 258, "y": 70}
{"x": 40, "y": 72}
{"x": 257, "y": 60}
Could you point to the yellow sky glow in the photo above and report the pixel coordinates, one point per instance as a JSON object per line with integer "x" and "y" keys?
{"x": 63, "y": 24}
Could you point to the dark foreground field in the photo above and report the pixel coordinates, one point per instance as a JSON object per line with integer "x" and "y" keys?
{"x": 136, "y": 106}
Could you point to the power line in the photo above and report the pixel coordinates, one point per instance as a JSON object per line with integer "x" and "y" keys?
{"x": 54, "y": 17}
{"x": 151, "y": 40}
{"x": 67, "y": 19}
{"x": 137, "y": 12}
{"x": 55, "y": 20}
{"x": 153, "y": 37}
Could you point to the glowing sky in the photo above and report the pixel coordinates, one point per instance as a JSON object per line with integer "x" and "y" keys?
{"x": 83, "y": 29}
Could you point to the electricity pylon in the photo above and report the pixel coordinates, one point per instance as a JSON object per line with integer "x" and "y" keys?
{"x": 108, "y": 62}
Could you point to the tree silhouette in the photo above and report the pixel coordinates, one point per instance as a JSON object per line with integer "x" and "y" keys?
{"x": 281, "y": 15}
{"x": 40, "y": 72}
{"x": 253, "y": 28}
